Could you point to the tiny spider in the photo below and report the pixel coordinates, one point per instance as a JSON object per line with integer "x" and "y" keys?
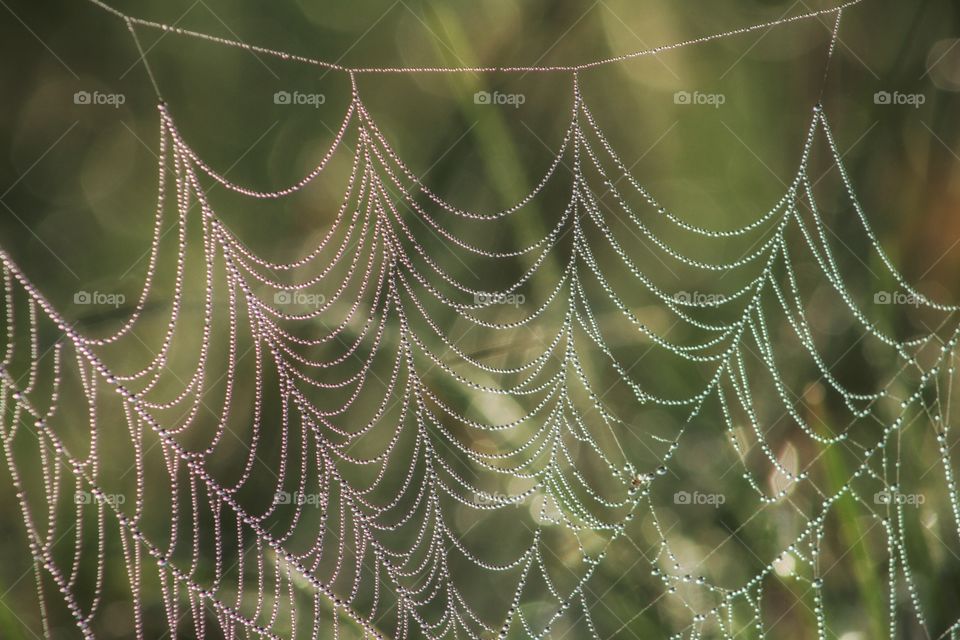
{"x": 640, "y": 479}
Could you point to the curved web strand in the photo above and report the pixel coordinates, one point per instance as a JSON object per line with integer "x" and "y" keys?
{"x": 315, "y": 448}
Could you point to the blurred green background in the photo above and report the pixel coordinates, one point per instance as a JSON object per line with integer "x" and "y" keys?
{"x": 77, "y": 184}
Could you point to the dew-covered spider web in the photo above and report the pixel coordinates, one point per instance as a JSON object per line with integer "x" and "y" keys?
{"x": 332, "y": 457}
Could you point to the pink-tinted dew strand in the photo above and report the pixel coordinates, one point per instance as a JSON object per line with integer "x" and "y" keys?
{"x": 353, "y": 359}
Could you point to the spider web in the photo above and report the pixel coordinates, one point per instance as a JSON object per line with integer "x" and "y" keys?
{"x": 332, "y": 457}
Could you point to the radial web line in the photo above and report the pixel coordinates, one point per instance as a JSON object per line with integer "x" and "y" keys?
{"x": 333, "y": 451}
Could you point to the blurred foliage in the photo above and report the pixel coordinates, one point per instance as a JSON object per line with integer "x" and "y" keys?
{"x": 77, "y": 187}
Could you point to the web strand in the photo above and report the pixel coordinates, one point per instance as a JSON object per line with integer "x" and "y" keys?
{"x": 583, "y": 66}
{"x": 334, "y": 384}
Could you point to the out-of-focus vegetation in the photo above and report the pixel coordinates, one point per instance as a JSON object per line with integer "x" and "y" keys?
{"x": 77, "y": 193}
